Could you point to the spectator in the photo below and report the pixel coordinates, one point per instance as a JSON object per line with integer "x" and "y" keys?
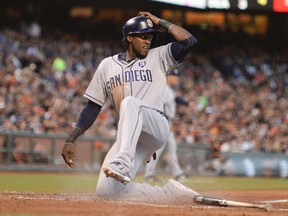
{"x": 242, "y": 91}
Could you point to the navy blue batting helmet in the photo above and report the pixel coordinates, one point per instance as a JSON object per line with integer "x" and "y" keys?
{"x": 138, "y": 25}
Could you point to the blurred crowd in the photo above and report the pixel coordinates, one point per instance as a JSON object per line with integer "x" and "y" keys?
{"x": 238, "y": 95}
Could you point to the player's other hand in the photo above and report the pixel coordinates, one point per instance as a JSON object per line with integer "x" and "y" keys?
{"x": 154, "y": 18}
{"x": 68, "y": 154}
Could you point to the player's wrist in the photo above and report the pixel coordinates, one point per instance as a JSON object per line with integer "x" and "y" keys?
{"x": 165, "y": 24}
{"x": 72, "y": 137}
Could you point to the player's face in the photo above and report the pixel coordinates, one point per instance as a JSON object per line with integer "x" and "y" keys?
{"x": 141, "y": 44}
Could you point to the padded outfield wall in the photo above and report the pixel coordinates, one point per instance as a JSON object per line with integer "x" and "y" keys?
{"x": 42, "y": 152}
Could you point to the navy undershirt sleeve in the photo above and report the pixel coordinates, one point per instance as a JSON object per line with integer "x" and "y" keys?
{"x": 88, "y": 115}
{"x": 180, "y": 49}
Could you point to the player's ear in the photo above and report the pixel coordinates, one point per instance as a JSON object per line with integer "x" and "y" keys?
{"x": 129, "y": 38}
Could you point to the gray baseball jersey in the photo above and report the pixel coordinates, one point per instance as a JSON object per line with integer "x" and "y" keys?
{"x": 141, "y": 78}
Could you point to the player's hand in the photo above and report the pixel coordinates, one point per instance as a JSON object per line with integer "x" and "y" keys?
{"x": 153, "y": 18}
{"x": 68, "y": 154}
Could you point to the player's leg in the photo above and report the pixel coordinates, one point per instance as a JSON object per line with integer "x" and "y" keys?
{"x": 135, "y": 118}
{"x": 172, "y": 192}
{"x": 109, "y": 187}
{"x": 129, "y": 128}
{"x": 173, "y": 160}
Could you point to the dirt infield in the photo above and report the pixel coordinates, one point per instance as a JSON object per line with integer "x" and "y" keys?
{"x": 80, "y": 204}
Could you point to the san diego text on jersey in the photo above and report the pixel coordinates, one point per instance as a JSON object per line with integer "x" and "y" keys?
{"x": 128, "y": 76}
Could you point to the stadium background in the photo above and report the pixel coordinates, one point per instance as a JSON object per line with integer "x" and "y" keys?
{"x": 50, "y": 49}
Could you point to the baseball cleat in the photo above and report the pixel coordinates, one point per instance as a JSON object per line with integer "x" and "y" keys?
{"x": 116, "y": 170}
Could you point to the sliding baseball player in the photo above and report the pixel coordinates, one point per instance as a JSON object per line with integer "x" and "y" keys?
{"x": 135, "y": 82}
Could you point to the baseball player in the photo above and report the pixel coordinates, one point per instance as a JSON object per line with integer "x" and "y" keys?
{"x": 134, "y": 81}
{"x": 170, "y": 101}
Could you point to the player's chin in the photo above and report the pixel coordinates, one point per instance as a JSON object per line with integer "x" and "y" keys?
{"x": 143, "y": 54}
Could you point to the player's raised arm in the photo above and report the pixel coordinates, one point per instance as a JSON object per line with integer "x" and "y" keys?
{"x": 179, "y": 33}
{"x": 185, "y": 41}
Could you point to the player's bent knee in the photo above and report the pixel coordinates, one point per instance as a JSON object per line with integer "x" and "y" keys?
{"x": 128, "y": 103}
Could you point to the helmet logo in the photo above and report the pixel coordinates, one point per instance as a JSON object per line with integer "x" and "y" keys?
{"x": 150, "y": 23}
